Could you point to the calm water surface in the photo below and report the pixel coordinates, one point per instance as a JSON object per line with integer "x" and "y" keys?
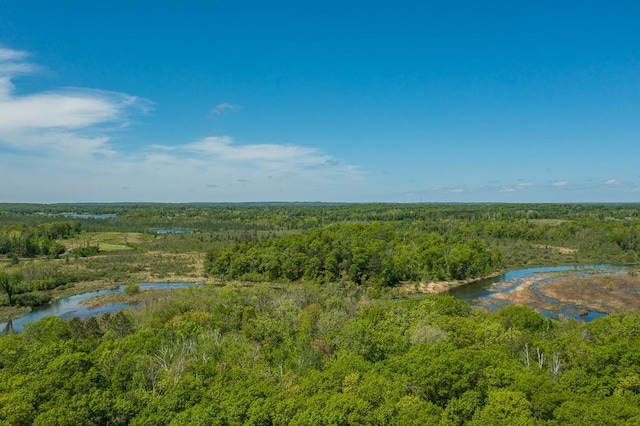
{"x": 72, "y": 306}
{"x": 170, "y": 231}
{"x": 480, "y": 292}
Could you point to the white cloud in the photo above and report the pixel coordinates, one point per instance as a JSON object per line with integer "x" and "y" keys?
{"x": 222, "y": 147}
{"x": 223, "y": 108}
{"x": 57, "y": 146}
{"x": 71, "y": 121}
{"x": 68, "y": 109}
{"x": 514, "y": 188}
{"x": 560, "y": 183}
{"x": 611, "y": 182}
{"x": 8, "y": 55}
{"x": 12, "y": 63}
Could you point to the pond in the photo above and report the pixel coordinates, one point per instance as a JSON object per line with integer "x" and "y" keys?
{"x": 170, "y": 231}
{"x": 91, "y": 216}
{"x": 72, "y": 306}
{"x": 494, "y": 293}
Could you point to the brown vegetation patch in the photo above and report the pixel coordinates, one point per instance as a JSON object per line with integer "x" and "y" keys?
{"x": 432, "y": 287}
{"x": 610, "y": 293}
{"x": 524, "y": 294}
{"x": 561, "y": 250}
{"x": 602, "y": 293}
{"x": 176, "y": 266}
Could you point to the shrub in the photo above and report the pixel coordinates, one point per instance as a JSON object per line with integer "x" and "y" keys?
{"x": 132, "y": 289}
{"x": 33, "y": 298}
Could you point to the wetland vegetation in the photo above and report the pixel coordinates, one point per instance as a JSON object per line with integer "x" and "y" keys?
{"x": 317, "y": 314}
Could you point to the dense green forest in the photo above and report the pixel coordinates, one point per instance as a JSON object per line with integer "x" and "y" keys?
{"x": 302, "y": 319}
{"x": 309, "y": 354}
{"x": 362, "y": 253}
{"x": 30, "y": 241}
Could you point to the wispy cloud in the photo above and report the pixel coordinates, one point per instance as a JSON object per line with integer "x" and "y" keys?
{"x": 223, "y": 108}
{"x": 67, "y": 120}
{"x": 7, "y": 55}
{"x": 70, "y": 131}
{"x": 560, "y": 183}
{"x": 222, "y": 147}
{"x": 12, "y": 63}
{"x": 518, "y": 187}
{"x": 63, "y": 109}
{"x": 611, "y": 182}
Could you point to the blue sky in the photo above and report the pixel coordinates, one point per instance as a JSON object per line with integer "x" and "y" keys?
{"x": 221, "y": 101}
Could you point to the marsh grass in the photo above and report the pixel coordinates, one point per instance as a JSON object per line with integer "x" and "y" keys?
{"x": 109, "y": 241}
{"x": 601, "y": 293}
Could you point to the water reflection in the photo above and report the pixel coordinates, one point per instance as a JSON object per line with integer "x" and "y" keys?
{"x": 170, "y": 231}
{"x": 480, "y": 292}
{"x": 72, "y": 306}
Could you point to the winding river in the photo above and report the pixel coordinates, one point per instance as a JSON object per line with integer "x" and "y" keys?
{"x": 72, "y": 306}
{"x": 482, "y": 292}
{"x": 479, "y": 292}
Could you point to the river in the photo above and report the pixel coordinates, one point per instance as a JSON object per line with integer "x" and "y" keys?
{"x": 475, "y": 293}
{"x": 72, "y": 306}
{"x": 482, "y": 292}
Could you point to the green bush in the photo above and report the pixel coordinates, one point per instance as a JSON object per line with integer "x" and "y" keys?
{"x": 86, "y": 251}
{"x": 132, "y": 289}
{"x": 33, "y": 298}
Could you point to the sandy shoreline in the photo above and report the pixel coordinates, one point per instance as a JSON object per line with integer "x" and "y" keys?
{"x": 553, "y": 291}
{"x": 441, "y": 287}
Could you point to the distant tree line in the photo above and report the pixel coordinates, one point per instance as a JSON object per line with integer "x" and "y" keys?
{"x": 32, "y": 240}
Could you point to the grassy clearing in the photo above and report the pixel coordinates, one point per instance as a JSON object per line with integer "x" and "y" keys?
{"x": 524, "y": 254}
{"x": 109, "y": 241}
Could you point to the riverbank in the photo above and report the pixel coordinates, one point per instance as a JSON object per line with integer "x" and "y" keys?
{"x": 110, "y": 271}
{"x": 442, "y": 287}
{"x": 575, "y": 294}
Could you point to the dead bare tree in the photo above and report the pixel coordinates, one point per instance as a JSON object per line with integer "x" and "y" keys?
{"x": 540, "y": 358}
{"x": 526, "y": 357}
{"x": 555, "y": 365}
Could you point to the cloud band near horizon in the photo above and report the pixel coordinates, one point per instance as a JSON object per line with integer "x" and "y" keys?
{"x": 70, "y": 133}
